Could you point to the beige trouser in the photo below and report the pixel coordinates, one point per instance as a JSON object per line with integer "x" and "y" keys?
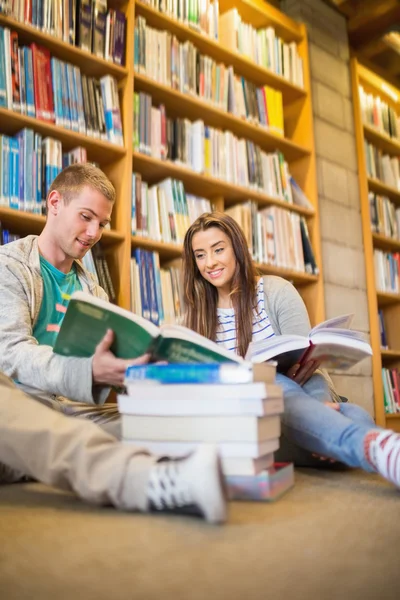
{"x": 70, "y": 453}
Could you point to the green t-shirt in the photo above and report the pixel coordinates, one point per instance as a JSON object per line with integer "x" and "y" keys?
{"x": 55, "y": 284}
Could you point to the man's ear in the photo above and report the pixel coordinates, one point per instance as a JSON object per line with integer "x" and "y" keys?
{"x": 54, "y": 202}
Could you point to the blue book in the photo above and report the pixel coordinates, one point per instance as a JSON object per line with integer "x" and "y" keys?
{"x": 30, "y": 92}
{"x": 190, "y": 373}
{"x": 14, "y": 173}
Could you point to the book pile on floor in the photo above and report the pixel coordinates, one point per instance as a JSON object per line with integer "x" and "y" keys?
{"x": 171, "y": 409}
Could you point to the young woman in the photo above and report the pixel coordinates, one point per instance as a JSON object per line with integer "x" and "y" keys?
{"x": 228, "y": 302}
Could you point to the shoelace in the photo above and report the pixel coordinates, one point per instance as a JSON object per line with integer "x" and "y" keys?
{"x": 388, "y": 457}
{"x": 166, "y": 487}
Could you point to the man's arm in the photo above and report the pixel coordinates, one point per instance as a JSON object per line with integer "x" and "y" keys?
{"x": 21, "y": 357}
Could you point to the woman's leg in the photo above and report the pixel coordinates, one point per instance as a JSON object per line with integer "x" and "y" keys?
{"x": 309, "y": 424}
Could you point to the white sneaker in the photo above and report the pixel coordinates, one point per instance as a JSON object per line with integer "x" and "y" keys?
{"x": 386, "y": 456}
{"x": 190, "y": 485}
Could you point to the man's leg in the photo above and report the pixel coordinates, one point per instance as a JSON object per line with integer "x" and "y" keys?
{"x": 78, "y": 455}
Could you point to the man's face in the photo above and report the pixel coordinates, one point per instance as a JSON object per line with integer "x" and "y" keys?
{"x": 80, "y": 223}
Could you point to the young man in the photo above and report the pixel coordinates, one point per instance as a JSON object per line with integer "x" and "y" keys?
{"x": 36, "y": 273}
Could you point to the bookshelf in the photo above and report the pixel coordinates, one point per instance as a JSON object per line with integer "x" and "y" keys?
{"x": 119, "y": 162}
{"x": 387, "y": 301}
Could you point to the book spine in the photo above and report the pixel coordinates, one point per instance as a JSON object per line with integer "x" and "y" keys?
{"x": 190, "y": 373}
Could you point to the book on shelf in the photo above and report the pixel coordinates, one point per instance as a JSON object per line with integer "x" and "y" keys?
{"x": 269, "y": 484}
{"x": 88, "y": 318}
{"x": 185, "y": 399}
{"x": 331, "y": 343}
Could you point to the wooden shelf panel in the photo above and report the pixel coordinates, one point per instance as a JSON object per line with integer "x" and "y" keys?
{"x": 386, "y": 298}
{"x": 296, "y": 277}
{"x": 185, "y": 105}
{"x": 172, "y": 251}
{"x": 393, "y": 415}
{"x": 166, "y": 251}
{"x": 390, "y": 355}
{"x": 87, "y": 62}
{"x": 253, "y": 11}
{"x": 154, "y": 170}
{"x": 381, "y": 140}
{"x": 98, "y": 151}
{"x": 384, "y": 190}
{"x": 384, "y": 243}
{"x": 27, "y": 223}
{"x": 242, "y": 65}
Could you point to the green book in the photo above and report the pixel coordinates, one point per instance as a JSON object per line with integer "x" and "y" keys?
{"x": 88, "y": 318}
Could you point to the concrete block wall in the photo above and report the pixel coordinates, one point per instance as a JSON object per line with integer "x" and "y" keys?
{"x": 339, "y": 200}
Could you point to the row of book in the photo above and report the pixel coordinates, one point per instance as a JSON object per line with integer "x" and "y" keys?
{"x": 200, "y": 15}
{"x": 391, "y": 390}
{"x": 181, "y": 66}
{"x": 156, "y": 293}
{"x": 87, "y": 24}
{"x": 38, "y": 85}
{"x": 276, "y": 236}
{"x": 164, "y": 212}
{"x": 263, "y": 46}
{"x": 172, "y": 409}
{"x": 379, "y": 113}
{"x": 7, "y": 236}
{"x": 28, "y": 165}
{"x": 385, "y": 216}
{"x": 96, "y": 263}
{"x": 382, "y": 166}
{"x": 387, "y": 271}
{"x": 207, "y": 150}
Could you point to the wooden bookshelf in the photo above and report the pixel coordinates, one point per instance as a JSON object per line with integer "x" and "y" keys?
{"x": 119, "y": 162}
{"x": 387, "y": 301}
{"x": 87, "y": 62}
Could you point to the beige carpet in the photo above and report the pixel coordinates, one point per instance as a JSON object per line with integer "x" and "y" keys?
{"x": 334, "y": 536}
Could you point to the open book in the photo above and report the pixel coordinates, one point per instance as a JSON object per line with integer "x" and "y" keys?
{"x": 87, "y": 319}
{"x": 332, "y": 343}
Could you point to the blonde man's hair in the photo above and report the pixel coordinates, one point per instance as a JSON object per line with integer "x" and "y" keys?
{"x": 74, "y": 178}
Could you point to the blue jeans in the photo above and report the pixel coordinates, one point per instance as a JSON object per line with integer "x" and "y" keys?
{"x": 309, "y": 426}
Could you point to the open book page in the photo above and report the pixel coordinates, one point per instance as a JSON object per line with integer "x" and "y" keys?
{"x": 87, "y": 320}
{"x": 182, "y": 345}
{"x": 337, "y": 352}
{"x": 334, "y": 347}
{"x": 341, "y": 322}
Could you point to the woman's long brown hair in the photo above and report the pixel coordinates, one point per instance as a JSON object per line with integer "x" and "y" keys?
{"x": 201, "y": 297}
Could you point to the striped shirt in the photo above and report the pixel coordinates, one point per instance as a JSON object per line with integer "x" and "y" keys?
{"x": 226, "y": 326}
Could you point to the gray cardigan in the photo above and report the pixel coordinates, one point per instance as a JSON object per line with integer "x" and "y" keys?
{"x": 288, "y": 314}
{"x": 21, "y": 357}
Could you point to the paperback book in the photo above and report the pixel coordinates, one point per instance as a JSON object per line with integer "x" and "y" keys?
{"x": 268, "y": 485}
{"x": 331, "y": 343}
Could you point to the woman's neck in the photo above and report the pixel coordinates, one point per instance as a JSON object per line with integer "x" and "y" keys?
{"x": 224, "y": 299}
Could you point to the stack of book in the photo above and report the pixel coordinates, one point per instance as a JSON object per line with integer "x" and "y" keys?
{"x": 170, "y": 409}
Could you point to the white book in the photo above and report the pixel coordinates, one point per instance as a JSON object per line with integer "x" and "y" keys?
{"x": 150, "y": 398}
{"x": 227, "y": 428}
{"x": 226, "y": 449}
{"x": 238, "y": 465}
{"x": 331, "y": 343}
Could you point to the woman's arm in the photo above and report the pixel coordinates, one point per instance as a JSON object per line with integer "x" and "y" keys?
{"x": 285, "y": 307}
